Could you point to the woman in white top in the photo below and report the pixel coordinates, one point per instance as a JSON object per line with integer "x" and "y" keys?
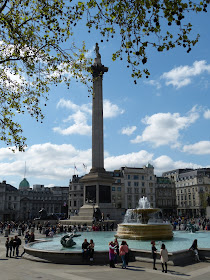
{"x": 164, "y": 257}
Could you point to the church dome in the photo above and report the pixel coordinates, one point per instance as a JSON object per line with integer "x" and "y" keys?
{"x": 24, "y": 184}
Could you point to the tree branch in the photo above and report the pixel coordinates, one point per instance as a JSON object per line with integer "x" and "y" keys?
{"x": 3, "y": 6}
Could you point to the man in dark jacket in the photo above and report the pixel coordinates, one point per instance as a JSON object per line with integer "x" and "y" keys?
{"x": 18, "y": 243}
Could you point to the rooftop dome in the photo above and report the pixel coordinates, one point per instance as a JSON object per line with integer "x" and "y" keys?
{"x": 24, "y": 184}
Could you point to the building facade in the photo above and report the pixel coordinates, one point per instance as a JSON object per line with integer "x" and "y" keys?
{"x": 165, "y": 195}
{"x": 25, "y": 203}
{"x": 192, "y": 190}
{"x": 139, "y": 182}
{"x": 76, "y": 195}
{"x": 9, "y": 202}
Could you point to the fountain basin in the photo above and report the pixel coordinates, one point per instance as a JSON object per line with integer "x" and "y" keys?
{"x": 145, "y": 231}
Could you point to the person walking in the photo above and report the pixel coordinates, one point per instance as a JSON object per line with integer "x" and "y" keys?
{"x": 7, "y": 247}
{"x": 111, "y": 254}
{"x": 126, "y": 253}
{"x": 11, "y": 247}
{"x": 116, "y": 244}
{"x": 154, "y": 254}
{"x": 164, "y": 257}
{"x": 18, "y": 243}
{"x": 123, "y": 250}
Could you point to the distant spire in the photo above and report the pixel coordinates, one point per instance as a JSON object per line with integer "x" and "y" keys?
{"x": 25, "y": 171}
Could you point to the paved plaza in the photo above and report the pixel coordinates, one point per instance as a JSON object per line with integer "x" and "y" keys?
{"x": 24, "y": 269}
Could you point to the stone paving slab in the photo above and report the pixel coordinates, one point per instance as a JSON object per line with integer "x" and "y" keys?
{"x": 24, "y": 269}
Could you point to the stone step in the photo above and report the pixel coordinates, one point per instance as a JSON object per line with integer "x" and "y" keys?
{"x": 75, "y": 218}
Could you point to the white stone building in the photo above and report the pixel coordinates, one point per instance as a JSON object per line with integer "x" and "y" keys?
{"x": 192, "y": 190}
{"x": 139, "y": 182}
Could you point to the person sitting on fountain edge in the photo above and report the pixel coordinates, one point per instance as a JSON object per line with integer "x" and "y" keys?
{"x": 85, "y": 246}
{"x": 194, "y": 248}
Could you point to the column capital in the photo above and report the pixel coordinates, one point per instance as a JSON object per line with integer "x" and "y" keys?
{"x": 98, "y": 70}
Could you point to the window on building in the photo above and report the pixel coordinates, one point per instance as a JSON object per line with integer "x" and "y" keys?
{"x": 150, "y": 177}
{"x": 75, "y": 203}
{"x": 135, "y": 177}
{"x": 142, "y": 177}
{"x": 129, "y": 183}
{"x": 142, "y": 184}
{"x": 75, "y": 188}
{"x": 113, "y": 189}
{"x": 129, "y": 176}
{"x": 119, "y": 189}
{"x": 9, "y": 197}
{"x": 143, "y": 191}
{"x": 136, "y": 190}
{"x": 136, "y": 184}
{"x": 119, "y": 181}
{"x": 129, "y": 190}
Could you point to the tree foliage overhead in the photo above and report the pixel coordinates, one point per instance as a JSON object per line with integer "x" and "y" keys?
{"x": 33, "y": 34}
{"x": 141, "y": 24}
{"x": 31, "y": 58}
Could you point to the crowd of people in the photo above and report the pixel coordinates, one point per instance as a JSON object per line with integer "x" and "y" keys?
{"x": 118, "y": 253}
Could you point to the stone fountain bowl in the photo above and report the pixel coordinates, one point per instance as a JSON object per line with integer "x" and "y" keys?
{"x": 137, "y": 231}
{"x": 146, "y": 210}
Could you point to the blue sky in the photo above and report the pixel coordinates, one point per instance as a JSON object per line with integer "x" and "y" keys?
{"x": 163, "y": 120}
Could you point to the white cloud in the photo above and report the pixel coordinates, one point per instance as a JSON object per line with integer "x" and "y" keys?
{"x": 111, "y": 110}
{"x": 128, "y": 130}
{"x": 164, "y": 128}
{"x": 55, "y": 163}
{"x": 199, "y": 148}
{"x": 79, "y": 125}
{"x": 182, "y": 76}
{"x": 132, "y": 160}
{"x": 79, "y": 119}
{"x": 46, "y": 161}
{"x": 207, "y": 114}
{"x": 165, "y": 163}
{"x": 154, "y": 83}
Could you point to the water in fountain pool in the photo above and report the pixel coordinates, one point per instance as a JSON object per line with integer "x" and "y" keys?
{"x": 181, "y": 241}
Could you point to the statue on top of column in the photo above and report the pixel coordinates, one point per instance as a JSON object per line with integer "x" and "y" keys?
{"x": 97, "y": 60}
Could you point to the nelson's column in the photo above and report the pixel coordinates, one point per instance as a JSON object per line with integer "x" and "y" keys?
{"x": 97, "y": 183}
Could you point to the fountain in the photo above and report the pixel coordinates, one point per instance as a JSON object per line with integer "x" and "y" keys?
{"x": 139, "y": 224}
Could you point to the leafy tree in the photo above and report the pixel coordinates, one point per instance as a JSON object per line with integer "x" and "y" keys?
{"x": 141, "y": 24}
{"x": 34, "y": 35}
{"x": 31, "y": 59}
